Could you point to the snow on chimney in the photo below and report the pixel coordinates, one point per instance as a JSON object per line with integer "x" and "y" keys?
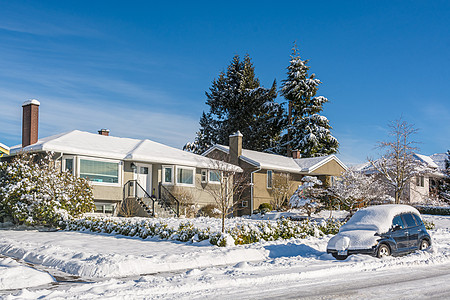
{"x": 235, "y": 147}
{"x": 30, "y": 122}
{"x": 104, "y": 132}
{"x": 296, "y": 154}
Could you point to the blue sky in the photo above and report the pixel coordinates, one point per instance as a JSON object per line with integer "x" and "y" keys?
{"x": 141, "y": 68}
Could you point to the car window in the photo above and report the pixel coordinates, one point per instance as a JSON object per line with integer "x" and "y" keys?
{"x": 418, "y": 220}
{"x": 397, "y": 221}
{"x": 409, "y": 220}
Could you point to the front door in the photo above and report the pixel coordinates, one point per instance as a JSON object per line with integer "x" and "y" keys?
{"x": 144, "y": 179}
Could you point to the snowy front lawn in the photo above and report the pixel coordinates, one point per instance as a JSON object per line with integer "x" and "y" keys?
{"x": 196, "y": 266}
{"x": 14, "y": 275}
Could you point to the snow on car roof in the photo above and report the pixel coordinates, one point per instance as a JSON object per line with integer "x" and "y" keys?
{"x": 377, "y": 218}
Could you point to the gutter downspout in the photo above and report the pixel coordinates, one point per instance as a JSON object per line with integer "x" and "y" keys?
{"x": 252, "y": 187}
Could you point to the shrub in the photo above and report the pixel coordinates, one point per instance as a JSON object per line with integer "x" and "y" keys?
{"x": 33, "y": 191}
{"x": 240, "y": 234}
{"x": 265, "y": 207}
{"x": 209, "y": 210}
{"x": 434, "y": 210}
{"x": 429, "y": 225}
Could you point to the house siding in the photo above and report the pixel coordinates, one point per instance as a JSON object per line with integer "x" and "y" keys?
{"x": 331, "y": 168}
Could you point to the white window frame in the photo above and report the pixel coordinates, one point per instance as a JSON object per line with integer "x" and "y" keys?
{"x": 267, "y": 180}
{"x": 74, "y": 161}
{"x": 209, "y": 177}
{"x": 420, "y": 181}
{"x": 120, "y": 169}
{"x": 244, "y": 203}
{"x": 185, "y": 184}
{"x": 204, "y": 176}
{"x": 163, "y": 175}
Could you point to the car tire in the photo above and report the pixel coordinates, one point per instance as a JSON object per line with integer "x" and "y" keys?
{"x": 424, "y": 244}
{"x": 383, "y": 251}
{"x": 339, "y": 257}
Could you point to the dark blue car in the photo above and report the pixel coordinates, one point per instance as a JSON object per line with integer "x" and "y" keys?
{"x": 381, "y": 231}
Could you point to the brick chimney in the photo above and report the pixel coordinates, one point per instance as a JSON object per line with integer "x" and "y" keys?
{"x": 296, "y": 154}
{"x": 30, "y": 122}
{"x": 235, "y": 147}
{"x": 104, "y": 132}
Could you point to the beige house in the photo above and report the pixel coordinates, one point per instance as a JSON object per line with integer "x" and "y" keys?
{"x": 122, "y": 168}
{"x": 421, "y": 188}
{"x": 263, "y": 167}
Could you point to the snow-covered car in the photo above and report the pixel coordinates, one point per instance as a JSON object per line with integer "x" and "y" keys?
{"x": 380, "y": 231}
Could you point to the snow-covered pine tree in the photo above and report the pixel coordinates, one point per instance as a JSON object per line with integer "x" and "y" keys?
{"x": 307, "y": 130}
{"x": 444, "y": 187}
{"x": 237, "y": 101}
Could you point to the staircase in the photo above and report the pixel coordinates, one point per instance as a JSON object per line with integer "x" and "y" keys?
{"x": 165, "y": 206}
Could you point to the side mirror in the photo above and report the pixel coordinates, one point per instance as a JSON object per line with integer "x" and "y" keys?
{"x": 396, "y": 227}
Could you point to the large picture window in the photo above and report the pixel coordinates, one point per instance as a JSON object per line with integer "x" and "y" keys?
{"x": 99, "y": 171}
{"x": 185, "y": 175}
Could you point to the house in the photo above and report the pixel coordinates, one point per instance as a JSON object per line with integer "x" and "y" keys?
{"x": 263, "y": 167}
{"x": 421, "y": 188}
{"x": 4, "y": 150}
{"x": 124, "y": 168}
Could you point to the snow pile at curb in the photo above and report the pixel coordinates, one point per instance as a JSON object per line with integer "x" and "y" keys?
{"x": 13, "y": 275}
{"x": 99, "y": 256}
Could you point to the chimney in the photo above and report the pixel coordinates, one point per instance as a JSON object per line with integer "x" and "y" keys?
{"x": 104, "y": 132}
{"x": 235, "y": 147}
{"x": 30, "y": 121}
{"x": 296, "y": 154}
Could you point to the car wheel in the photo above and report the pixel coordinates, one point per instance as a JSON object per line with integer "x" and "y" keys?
{"x": 339, "y": 257}
{"x": 424, "y": 244}
{"x": 383, "y": 251}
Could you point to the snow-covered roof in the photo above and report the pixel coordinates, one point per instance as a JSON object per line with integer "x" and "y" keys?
{"x": 427, "y": 160}
{"x": 96, "y": 145}
{"x": 279, "y": 162}
{"x": 377, "y": 218}
{"x": 4, "y": 147}
{"x": 367, "y": 168}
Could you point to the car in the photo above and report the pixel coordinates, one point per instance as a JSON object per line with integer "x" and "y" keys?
{"x": 382, "y": 230}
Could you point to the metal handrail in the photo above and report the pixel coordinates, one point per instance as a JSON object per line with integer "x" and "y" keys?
{"x": 136, "y": 185}
{"x": 166, "y": 202}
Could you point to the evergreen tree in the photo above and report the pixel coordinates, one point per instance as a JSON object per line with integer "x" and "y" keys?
{"x": 444, "y": 187}
{"x": 307, "y": 130}
{"x": 237, "y": 101}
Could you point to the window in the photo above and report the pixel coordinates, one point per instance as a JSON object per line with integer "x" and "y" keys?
{"x": 409, "y": 220}
{"x": 397, "y": 221}
{"x": 214, "y": 176}
{"x": 99, "y": 171}
{"x": 185, "y": 175}
{"x": 68, "y": 165}
{"x": 167, "y": 175}
{"x": 269, "y": 179}
{"x": 418, "y": 220}
{"x": 104, "y": 208}
{"x": 420, "y": 181}
{"x": 204, "y": 176}
{"x": 244, "y": 204}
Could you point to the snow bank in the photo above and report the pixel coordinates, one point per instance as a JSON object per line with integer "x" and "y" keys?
{"x": 377, "y": 218}
{"x": 14, "y": 275}
{"x": 99, "y": 256}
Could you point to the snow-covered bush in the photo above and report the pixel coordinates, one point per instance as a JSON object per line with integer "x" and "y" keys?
{"x": 354, "y": 190}
{"x": 33, "y": 191}
{"x": 306, "y": 196}
{"x": 243, "y": 233}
